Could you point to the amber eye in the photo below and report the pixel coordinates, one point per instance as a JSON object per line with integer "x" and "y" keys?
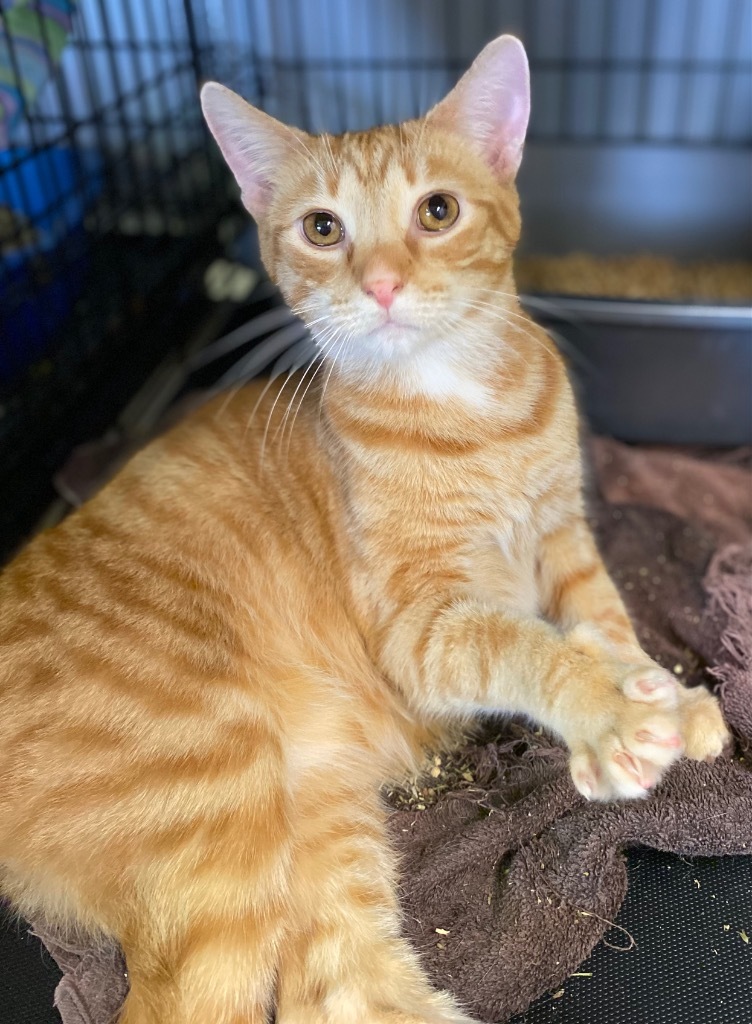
{"x": 322, "y": 228}
{"x": 438, "y": 212}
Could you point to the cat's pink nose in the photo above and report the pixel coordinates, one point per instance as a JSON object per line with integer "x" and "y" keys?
{"x": 383, "y": 288}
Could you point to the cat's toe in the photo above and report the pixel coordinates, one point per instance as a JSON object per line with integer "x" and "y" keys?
{"x": 587, "y": 776}
{"x": 651, "y": 685}
{"x": 656, "y": 739}
{"x": 630, "y": 774}
{"x": 703, "y": 728}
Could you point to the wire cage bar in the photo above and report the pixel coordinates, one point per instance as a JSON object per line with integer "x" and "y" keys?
{"x": 669, "y": 72}
{"x": 109, "y": 194}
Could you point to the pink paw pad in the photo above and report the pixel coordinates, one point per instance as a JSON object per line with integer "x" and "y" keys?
{"x": 651, "y": 686}
{"x": 656, "y": 740}
{"x": 644, "y": 736}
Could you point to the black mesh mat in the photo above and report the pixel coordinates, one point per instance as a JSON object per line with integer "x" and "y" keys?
{"x": 691, "y": 919}
{"x": 28, "y": 975}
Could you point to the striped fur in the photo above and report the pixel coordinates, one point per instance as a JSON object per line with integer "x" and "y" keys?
{"x": 210, "y": 669}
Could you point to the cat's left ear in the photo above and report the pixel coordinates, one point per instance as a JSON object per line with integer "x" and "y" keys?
{"x": 490, "y": 105}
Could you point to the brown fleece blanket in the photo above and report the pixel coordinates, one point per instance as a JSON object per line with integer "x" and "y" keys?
{"x": 509, "y": 879}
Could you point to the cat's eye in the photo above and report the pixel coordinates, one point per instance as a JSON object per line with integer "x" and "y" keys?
{"x": 438, "y": 212}
{"x": 322, "y": 228}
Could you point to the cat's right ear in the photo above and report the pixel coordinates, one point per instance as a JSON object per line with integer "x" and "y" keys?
{"x": 253, "y": 143}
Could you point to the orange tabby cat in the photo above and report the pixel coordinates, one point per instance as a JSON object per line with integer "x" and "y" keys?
{"x": 209, "y": 670}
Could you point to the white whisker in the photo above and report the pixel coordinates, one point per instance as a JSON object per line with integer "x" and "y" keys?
{"x": 330, "y": 153}
{"x": 257, "y": 403}
{"x": 230, "y": 395}
{"x": 308, "y": 151}
{"x": 318, "y": 365}
{"x": 488, "y": 309}
{"x": 280, "y": 433}
{"x": 325, "y": 343}
{"x": 345, "y": 341}
{"x": 290, "y": 375}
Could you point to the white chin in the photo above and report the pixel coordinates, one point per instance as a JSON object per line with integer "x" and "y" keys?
{"x": 392, "y": 342}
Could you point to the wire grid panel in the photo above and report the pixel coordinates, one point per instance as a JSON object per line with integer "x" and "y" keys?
{"x": 675, "y": 72}
{"x": 110, "y": 193}
{"x": 124, "y": 97}
{"x": 112, "y": 146}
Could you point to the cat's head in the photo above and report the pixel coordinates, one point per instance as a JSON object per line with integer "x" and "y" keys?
{"x": 393, "y": 240}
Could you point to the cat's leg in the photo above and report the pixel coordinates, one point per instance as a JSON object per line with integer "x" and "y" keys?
{"x": 219, "y": 974}
{"x": 209, "y": 919}
{"x": 205, "y": 966}
{"x": 620, "y": 714}
{"x": 576, "y": 593}
{"x": 345, "y": 960}
{"x": 574, "y": 586}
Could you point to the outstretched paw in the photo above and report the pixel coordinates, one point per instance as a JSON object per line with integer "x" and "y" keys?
{"x": 651, "y": 722}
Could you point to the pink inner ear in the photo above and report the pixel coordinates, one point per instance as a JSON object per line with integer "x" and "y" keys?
{"x": 490, "y": 105}
{"x": 504, "y": 146}
{"x": 253, "y": 144}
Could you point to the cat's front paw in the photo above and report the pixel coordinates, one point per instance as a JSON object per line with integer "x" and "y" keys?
{"x": 650, "y": 723}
